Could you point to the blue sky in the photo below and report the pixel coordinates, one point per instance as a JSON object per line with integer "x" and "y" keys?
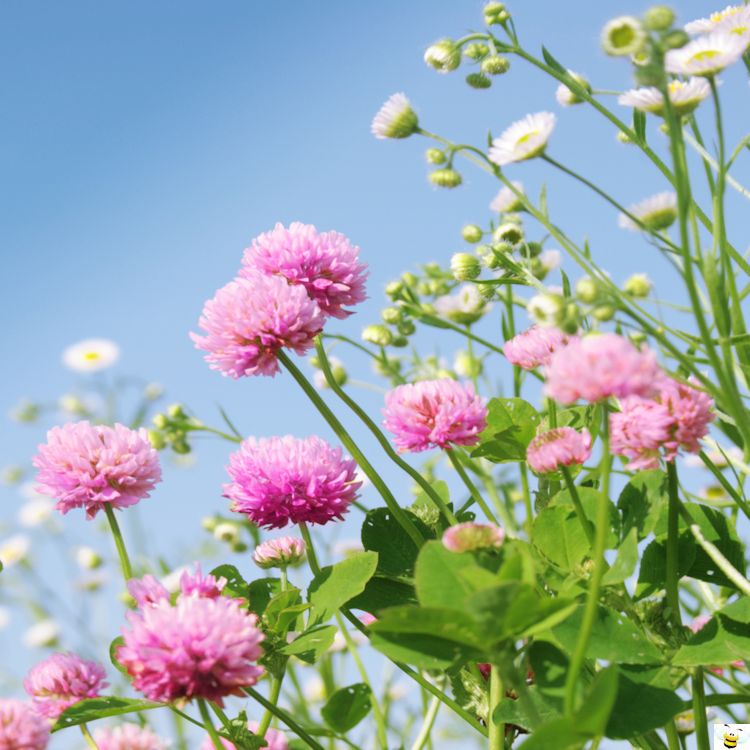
{"x": 144, "y": 144}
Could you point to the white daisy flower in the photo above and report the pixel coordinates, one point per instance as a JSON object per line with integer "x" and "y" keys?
{"x": 546, "y": 308}
{"x": 171, "y": 581}
{"x": 655, "y": 213}
{"x": 565, "y": 96}
{"x": 684, "y": 96}
{"x": 43, "y": 634}
{"x": 314, "y": 690}
{"x": 550, "y": 260}
{"x": 506, "y": 201}
{"x": 622, "y": 36}
{"x": 91, "y": 355}
{"x": 14, "y": 549}
{"x": 707, "y": 25}
{"x": 706, "y": 55}
{"x": 736, "y": 25}
{"x": 88, "y": 558}
{"x": 465, "y": 306}
{"x": 523, "y": 140}
{"x": 721, "y": 458}
{"x": 36, "y": 512}
{"x": 395, "y": 119}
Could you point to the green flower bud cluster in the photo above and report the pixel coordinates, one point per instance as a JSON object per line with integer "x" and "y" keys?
{"x": 170, "y": 428}
{"x": 227, "y": 531}
{"x": 553, "y": 309}
{"x": 495, "y": 14}
{"x": 340, "y": 375}
{"x": 25, "y": 411}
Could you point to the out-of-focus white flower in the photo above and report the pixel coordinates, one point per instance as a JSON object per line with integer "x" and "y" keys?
{"x": 732, "y": 455}
{"x": 4, "y": 618}
{"x": 523, "y": 140}
{"x": 395, "y": 119}
{"x": 398, "y": 691}
{"x": 736, "y": 25}
{"x": 314, "y": 689}
{"x": 565, "y": 97}
{"x": 88, "y": 558}
{"x": 36, "y": 512}
{"x": 43, "y": 634}
{"x": 506, "y": 201}
{"x": 72, "y": 404}
{"x": 547, "y": 308}
{"x": 550, "y": 259}
{"x": 227, "y": 532}
{"x": 464, "y": 306}
{"x": 14, "y": 549}
{"x": 171, "y": 581}
{"x": 655, "y": 213}
{"x": 91, "y": 355}
{"x": 623, "y": 36}
{"x": 684, "y": 96}
{"x": 715, "y": 20}
{"x": 685, "y": 722}
{"x": 706, "y": 55}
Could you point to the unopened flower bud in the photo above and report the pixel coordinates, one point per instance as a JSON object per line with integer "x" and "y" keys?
{"x": 658, "y": 18}
{"x": 588, "y": 290}
{"x": 227, "y": 532}
{"x": 531, "y": 249}
{"x": 444, "y": 56}
{"x": 467, "y": 365}
{"x": 487, "y": 291}
{"x": 209, "y": 523}
{"x": 495, "y": 65}
{"x": 153, "y": 391}
{"x": 638, "y": 285}
{"x": 280, "y": 553}
{"x": 391, "y": 315}
{"x": 637, "y": 337}
{"x": 603, "y": 313}
{"x": 675, "y": 39}
{"x": 478, "y": 81}
{"x": 508, "y": 232}
{"x": 406, "y": 327}
{"x": 447, "y": 178}
{"x": 502, "y": 248}
{"x": 160, "y": 421}
{"x": 157, "y": 440}
{"x": 465, "y": 267}
{"x": 409, "y": 278}
{"x": 378, "y": 334}
{"x": 394, "y": 288}
{"x": 435, "y": 156}
{"x": 88, "y": 558}
{"x": 400, "y": 342}
{"x": 25, "y": 411}
{"x": 443, "y": 373}
{"x": 476, "y": 51}
{"x": 12, "y": 474}
{"x": 623, "y": 137}
{"x": 424, "y": 288}
{"x": 472, "y": 233}
{"x": 181, "y": 446}
{"x": 623, "y": 36}
{"x": 175, "y": 411}
{"x": 495, "y": 13}
{"x": 72, "y": 404}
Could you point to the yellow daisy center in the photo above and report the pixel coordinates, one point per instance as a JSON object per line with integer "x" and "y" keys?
{"x": 91, "y": 356}
{"x": 707, "y": 54}
{"x": 720, "y": 15}
{"x": 526, "y": 136}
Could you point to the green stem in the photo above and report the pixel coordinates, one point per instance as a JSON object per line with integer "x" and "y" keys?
{"x": 273, "y": 697}
{"x": 671, "y": 585}
{"x": 699, "y": 710}
{"x": 122, "y": 553}
{"x": 283, "y": 717}
{"x": 379, "y": 436}
{"x": 90, "y": 741}
{"x": 312, "y": 558}
{"x": 473, "y": 491}
{"x": 429, "y": 720}
{"x": 673, "y": 738}
{"x": 600, "y": 565}
{"x": 588, "y": 529}
{"x": 526, "y": 491}
{"x": 398, "y": 513}
{"x": 208, "y": 724}
{"x": 497, "y": 730}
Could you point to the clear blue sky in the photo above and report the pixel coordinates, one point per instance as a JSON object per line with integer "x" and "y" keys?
{"x": 143, "y": 145}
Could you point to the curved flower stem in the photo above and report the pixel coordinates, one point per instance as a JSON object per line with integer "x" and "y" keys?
{"x": 398, "y": 513}
{"x": 122, "y": 553}
{"x": 379, "y": 436}
{"x": 283, "y": 717}
{"x": 699, "y": 710}
{"x": 90, "y": 741}
{"x": 208, "y": 724}
{"x": 671, "y": 585}
{"x": 473, "y": 491}
{"x": 273, "y": 697}
{"x": 497, "y": 731}
{"x": 721, "y": 561}
{"x": 427, "y": 724}
{"x": 600, "y": 565}
{"x": 312, "y": 558}
{"x": 575, "y": 497}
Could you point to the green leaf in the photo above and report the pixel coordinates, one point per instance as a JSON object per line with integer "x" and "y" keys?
{"x": 260, "y": 592}
{"x": 553, "y": 63}
{"x": 517, "y": 712}
{"x": 383, "y": 534}
{"x": 597, "y": 706}
{"x": 639, "y": 124}
{"x": 557, "y": 534}
{"x": 311, "y": 644}
{"x": 93, "y": 709}
{"x": 613, "y": 638}
{"x": 560, "y": 734}
{"x": 641, "y": 502}
{"x": 283, "y": 610}
{"x": 438, "y": 579}
{"x": 653, "y": 570}
{"x": 550, "y": 667}
{"x": 236, "y": 585}
{"x": 721, "y": 641}
{"x": 645, "y": 701}
{"x": 381, "y": 593}
{"x": 627, "y": 558}
{"x": 428, "y": 637}
{"x": 738, "y": 610}
{"x": 347, "y": 707}
{"x": 116, "y": 643}
{"x": 337, "y": 584}
{"x": 511, "y": 425}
